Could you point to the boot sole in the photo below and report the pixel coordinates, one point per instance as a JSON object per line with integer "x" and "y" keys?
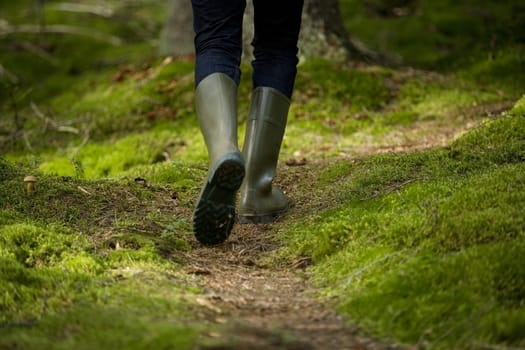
{"x": 214, "y": 214}
{"x": 260, "y": 219}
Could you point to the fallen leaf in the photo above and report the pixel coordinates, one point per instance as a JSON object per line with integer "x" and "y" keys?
{"x": 295, "y": 162}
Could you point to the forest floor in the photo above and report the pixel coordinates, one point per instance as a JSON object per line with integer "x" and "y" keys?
{"x": 406, "y": 185}
{"x": 262, "y": 300}
{"x": 258, "y": 290}
{"x": 268, "y": 307}
{"x": 275, "y": 305}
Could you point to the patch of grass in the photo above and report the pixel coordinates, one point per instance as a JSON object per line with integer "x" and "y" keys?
{"x": 157, "y": 92}
{"x": 478, "y": 41}
{"x": 40, "y": 265}
{"x": 461, "y": 300}
{"x": 324, "y": 90}
{"x": 72, "y": 302}
{"x": 148, "y": 117}
{"x": 95, "y": 206}
{"x": 35, "y": 246}
{"x": 351, "y": 107}
{"x": 500, "y": 69}
{"x": 418, "y": 245}
{"x": 436, "y": 98}
{"x": 403, "y": 117}
{"x": 519, "y": 108}
{"x": 104, "y": 327}
{"x": 495, "y": 142}
{"x": 443, "y": 34}
{"x": 111, "y": 284}
{"x": 323, "y": 81}
{"x": 96, "y": 109}
{"x": 109, "y": 160}
{"x": 180, "y": 175}
{"x": 63, "y": 296}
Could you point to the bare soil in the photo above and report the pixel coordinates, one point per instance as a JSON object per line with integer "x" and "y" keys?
{"x": 267, "y": 307}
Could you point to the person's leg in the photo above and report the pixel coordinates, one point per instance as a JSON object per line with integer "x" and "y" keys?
{"x": 218, "y": 46}
{"x": 277, "y": 26}
{"x": 218, "y": 37}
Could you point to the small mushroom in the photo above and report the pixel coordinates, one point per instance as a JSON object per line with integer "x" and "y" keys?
{"x": 30, "y": 182}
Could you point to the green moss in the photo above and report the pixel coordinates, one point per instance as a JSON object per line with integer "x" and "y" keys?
{"x": 133, "y": 256}
{"x": 488, "y": 209}
{"x": 519, "y": 108}
{"x": 9, "y": 217}
{"x": 35, "y": 246}
{"x": 182, "y": 175}
{"x": 138, "y": 154}
{"x": 335, "y": 172}
{"x": 127, "y": 209}
{"x": 402, "y": 117}
{"x": 325, "y": 122}
{"x": 454, "y": 299}
{"x": 81, "y": 262}
{"x": 437, "y": 99}
{"x": 145, "y": 288}
{"x": 340, "y": 86}
{"x": 131, "y": 249}
{"x": 59, "y": 166}
{"x": 441, "y": 34}
{"x": 55, "y": 199}
{"x": 149, "y": 97}
{"x": 22, "y": 289}
{"x": 49, "y": 271}
{"x": 498, "y": 69}
{"x": 79, "y": 86}
{"x": 496, "y": 142}
{"x": 422, "y": 247}
{"x": 63, "y": 308}
{"x": 29, "y": 293}
{"x": 111, "y": 159}
{"x": 60, "y": 289}
{"x": 88, "y": 327}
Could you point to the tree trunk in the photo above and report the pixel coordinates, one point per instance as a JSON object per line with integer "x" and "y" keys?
{"x": 322, "y": 31}
{"x": 176, "y": 38}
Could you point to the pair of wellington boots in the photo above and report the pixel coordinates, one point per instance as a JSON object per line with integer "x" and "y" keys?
{"x": 252, "y": 171}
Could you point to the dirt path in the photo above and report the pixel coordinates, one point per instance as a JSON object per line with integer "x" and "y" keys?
{"x": 266, "y": 307}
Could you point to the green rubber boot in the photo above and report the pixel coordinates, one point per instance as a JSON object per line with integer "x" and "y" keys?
{"x": 216, "y": 107}
{"x": 260, "y": 201}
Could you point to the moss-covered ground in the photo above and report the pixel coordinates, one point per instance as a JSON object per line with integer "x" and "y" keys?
{"x": 411, "y": 205}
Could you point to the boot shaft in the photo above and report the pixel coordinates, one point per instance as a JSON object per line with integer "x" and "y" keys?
{"x": 216, "y": 108}
{"x": 264, "y": 134}
{"x": 261, "y": 202}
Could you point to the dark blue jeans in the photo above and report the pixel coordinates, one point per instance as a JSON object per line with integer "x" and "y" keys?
{"x": 218, "y": 40}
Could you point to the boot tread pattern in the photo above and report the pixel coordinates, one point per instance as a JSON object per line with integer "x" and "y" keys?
{"x": 214, "y": 216}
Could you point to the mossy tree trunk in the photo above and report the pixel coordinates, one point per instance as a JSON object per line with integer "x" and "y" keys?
{"x": 322, "y": 32}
